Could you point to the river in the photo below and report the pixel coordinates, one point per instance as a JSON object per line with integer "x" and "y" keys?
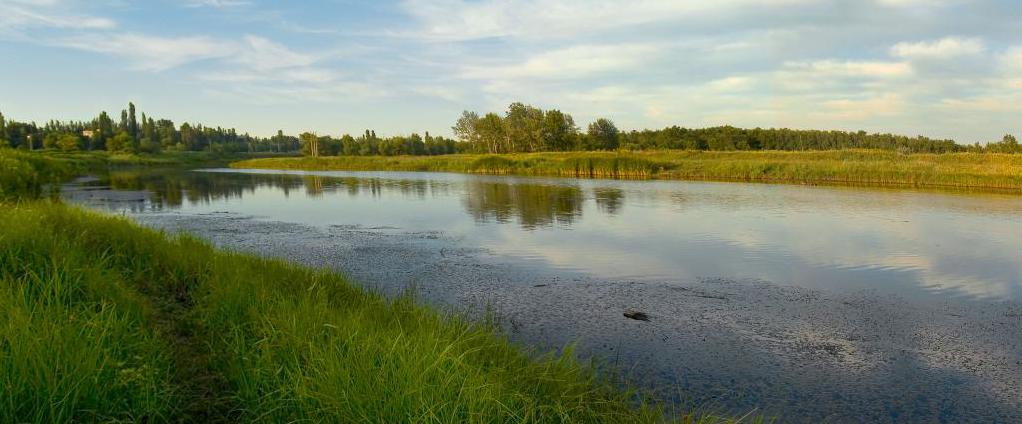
{"x": 836, "y": 304}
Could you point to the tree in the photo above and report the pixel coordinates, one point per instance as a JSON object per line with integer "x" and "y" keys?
{"x": 349, "y": 147}
{"x": 3, "y": 129}
{"x": 1008, "y": 144}
{"x": 310, "y": 143}
{"x": 121, "y": 142}
{"x": 465, "y": 130}
{"x": 603, "y": 135}
{"x": 50, "y": 141}
{"x": 524, "y": 127}
{"x": 559, "y": 131}
{"x": 102, "y": 131}
{"x": 132, "y": 123}
{"x": 167, "y": 134}
{"x": 69, "y": 142}
{"x": 492, "y": 134}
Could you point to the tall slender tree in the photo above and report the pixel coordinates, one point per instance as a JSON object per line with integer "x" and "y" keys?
{"x": 132, "y": 123}
{"x": 310, "y": 142}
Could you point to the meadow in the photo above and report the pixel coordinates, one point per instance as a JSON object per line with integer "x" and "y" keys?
{"x": 869, "y": 167}
{"x": 108, "y": 321}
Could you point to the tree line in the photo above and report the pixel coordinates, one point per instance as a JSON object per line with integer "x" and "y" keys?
{"x": 368, "y": 144}
{"x": 523, "y": 128}
{"x": 134, "y": 134}
{"x": 520, "y": 129}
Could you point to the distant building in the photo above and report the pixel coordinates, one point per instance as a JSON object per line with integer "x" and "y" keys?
{"x": 87, "y": 133}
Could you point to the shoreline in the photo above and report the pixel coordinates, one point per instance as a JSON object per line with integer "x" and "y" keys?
{"x": 953, "y": 171}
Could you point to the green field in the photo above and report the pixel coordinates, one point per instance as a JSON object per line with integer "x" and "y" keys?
{"x": 873, "y": 167}
{"x": 107, "y": 321}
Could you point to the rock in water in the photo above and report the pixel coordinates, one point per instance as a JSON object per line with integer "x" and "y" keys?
{"x": 636, "y": 315}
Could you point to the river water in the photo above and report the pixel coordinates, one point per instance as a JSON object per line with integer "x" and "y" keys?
{"x": 808, "y": 303}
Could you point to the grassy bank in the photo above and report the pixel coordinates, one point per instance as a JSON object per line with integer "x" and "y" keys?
{"x": 106, "y": 321}
{"x": 963, "y": 170}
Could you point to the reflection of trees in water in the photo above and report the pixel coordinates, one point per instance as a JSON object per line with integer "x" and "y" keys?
{"x": 172, "y": 188}
{"x": 535, "y": 205}
{"x": 532, "y": 205}
{"x": 313, "y": 185}
{"x": 609, "y": 199}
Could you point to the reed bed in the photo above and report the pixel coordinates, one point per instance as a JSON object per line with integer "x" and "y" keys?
{"x": 873, "y": 167}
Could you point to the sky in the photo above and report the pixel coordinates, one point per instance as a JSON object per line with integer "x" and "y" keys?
{"x": 939, "y": 68}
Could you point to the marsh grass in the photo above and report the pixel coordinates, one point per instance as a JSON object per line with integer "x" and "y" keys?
{"x": 872, "y": 167}
{"x": 104, "y": 320}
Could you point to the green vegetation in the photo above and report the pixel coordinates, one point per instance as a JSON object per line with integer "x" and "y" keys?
{"x": 965, "y": 170}
{"x": 107, "y": 321}
{"x": 131, "y": 135}
{"x": 521, "y": 129}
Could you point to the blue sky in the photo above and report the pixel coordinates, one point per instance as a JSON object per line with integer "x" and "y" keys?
{"x": 941, "y": 68}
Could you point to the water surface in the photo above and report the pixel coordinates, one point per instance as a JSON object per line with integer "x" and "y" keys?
{"x": 916, "y": 244}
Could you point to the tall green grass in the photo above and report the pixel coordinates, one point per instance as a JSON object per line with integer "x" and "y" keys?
{"x": 87, "y": 337}
{"x": 874, "y": 167}
{"x": 104, "y": 320}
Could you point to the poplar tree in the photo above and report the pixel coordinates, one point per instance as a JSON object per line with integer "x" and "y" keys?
{"x": 132, "y": 123}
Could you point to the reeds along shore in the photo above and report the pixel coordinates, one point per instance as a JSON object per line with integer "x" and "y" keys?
{"x": 104, "y": 320}
{"x": 873, "y": 167}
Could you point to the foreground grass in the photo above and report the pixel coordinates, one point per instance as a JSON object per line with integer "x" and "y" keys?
{"x": 964, "y": 170}
{"x": 86, "y": 336}
{"x": 106, "y": 321}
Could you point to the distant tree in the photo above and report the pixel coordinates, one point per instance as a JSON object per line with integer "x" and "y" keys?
{"x": 132, "y": 123}
{"x": 524, "y": 128}
{"x": 120, "y": 142}
{"x": 465, "y": 130}
{"x": 102, "y": 131}
{"x": 1008, "y": 144}
{"x": 50, "y": 140}
{"x": 559, "y": 131}
{"x": 603, "y": 135}
{"x": 69, "y": 142}
{"x": 3, "y": 129}
{"x": 493, "y": 134}
{"x": 187, "y": 136}
{"x": 349, "y": 147}
{"x": 310, "y": 143}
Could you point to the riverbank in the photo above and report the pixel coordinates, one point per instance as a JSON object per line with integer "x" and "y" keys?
{"x": 105, "y": 320}
{"x": 869, "y": 167}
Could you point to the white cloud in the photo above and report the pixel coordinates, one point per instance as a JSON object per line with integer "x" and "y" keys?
{"x": 265, "y": 55}
{"x": 150, "y": 52}
{"x": 886, "y": 104}
{"x": 574, "y": 62}
{"x": 258, "y": 56}
{"x": 836, "y": 68}
{"x": 945, "y": 48}
{"x": 731, "y": 84}
{"x": 19, "y": 15}
{"x": 461, "y": 19}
